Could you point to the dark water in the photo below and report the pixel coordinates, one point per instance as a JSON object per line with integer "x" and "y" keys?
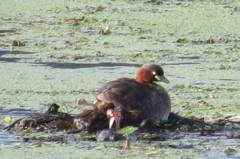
{"x": 5, "y": 136}
{"x": 220, "y": 145}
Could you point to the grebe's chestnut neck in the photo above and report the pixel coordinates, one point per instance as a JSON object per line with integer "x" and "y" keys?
{"x": 149, "y": 73}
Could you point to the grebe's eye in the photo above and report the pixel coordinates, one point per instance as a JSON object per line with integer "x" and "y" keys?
{"x": 154, "y": 73}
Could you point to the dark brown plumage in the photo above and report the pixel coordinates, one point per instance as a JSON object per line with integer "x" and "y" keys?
{"x": 138, "y": 100}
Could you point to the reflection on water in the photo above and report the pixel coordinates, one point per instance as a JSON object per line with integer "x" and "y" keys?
{"x": 7, "y": 138}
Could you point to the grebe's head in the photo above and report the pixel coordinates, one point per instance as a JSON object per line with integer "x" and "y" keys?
{"x": 149, "y": 73}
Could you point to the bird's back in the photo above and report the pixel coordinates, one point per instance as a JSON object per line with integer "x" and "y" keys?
{"x": 139, "y": 101}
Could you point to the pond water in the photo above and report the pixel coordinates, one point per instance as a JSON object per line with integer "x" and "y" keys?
{"x": 190, "y": 144}
{"x": 46, "y": 58}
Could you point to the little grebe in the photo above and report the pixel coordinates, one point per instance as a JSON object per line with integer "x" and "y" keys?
{"x": 137, "y": 100}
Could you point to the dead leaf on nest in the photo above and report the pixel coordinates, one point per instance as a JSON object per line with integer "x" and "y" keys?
{"x": 209, "y": 96}
{"x": 18, "y": 43}
{"x": 75, "y": 20}
{"x": 81, "y": 101}
{"x": 37, "y": 144}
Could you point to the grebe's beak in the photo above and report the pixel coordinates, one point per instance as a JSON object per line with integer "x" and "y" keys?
{"x": 162, "y": 78}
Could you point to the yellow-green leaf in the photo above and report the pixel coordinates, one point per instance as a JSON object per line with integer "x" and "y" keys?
{"x": 7, "y": 119}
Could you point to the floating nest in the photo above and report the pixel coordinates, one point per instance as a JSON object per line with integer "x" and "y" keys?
{"x": 53, "y": 120}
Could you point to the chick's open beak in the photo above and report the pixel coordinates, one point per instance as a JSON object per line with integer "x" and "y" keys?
{"x": 114, "y": 116}
{"x": 110, "y": 115}
{"x": 111, "y": 122}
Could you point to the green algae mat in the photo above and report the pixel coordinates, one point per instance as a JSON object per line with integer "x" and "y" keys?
{"x": 52, "y": 52}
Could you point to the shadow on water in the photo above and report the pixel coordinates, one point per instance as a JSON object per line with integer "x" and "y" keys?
{"x": 10, "y": 59}
{"x": 189, "y": 57}
{"x": 13, "y": 52}
{"x": 225, "y": 79}
{"x": 86, "y": 65}
{"x": 79, "y": 65}
{"x": 183, "y": 63}
{"x": 2, "y": 32}
{"x": 101, "y": 64}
